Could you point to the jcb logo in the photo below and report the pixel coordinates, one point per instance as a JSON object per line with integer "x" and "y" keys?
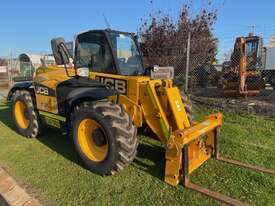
{"x": 118, "y": 84}
{"x": 42, "y": 90}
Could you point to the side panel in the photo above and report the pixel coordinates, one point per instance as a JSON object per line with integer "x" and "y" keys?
{"x": 56, "y": 91}
{"x": 45, "y": 82}
{"x": 129, "y": 88}
{"x": 132, "y": 109}
{"x": 47, "y": 103}
{"x": 126, "y": 85}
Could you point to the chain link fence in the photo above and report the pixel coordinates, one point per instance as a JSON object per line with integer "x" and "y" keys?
{"x": 16, "y": 70}
{"x": 246, "y": 76}
{"x": 20, "y": 71}
{"x": 243, "y": 81}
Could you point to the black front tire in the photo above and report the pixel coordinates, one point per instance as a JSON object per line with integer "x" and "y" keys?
{"x": 118, "y": 129}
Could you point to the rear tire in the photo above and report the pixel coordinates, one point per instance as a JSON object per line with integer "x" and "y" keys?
{"x": 104, "y": 136}
{"x": 24, "y": 115}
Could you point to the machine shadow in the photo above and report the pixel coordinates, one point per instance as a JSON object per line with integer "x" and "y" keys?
{"x": 53, "y": 139}
{"x": 5, "y": 117}
{"x": 150, "y": 158}
{"x": 60, "y": 143}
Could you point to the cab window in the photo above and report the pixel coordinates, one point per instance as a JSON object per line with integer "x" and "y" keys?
{"x": 127, "y": 54}
{"x": 93, "y": 52}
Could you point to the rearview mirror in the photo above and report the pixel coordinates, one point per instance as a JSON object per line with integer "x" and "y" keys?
{"x": 60, "y": 51}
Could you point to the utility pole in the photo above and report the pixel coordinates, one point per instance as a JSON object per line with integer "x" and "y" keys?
{"x": 187, "y": 62}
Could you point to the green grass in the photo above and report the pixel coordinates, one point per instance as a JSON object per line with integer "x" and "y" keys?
{"x": 50, "y": 165}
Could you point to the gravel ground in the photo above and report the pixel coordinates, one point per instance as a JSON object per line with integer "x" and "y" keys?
{"x": 262, "y": 105}
{"x": 267, "y": 95}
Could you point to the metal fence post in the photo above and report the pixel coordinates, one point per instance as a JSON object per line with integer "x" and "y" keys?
{"x": 10, "y": 70}
{"x": 187, "y": 61}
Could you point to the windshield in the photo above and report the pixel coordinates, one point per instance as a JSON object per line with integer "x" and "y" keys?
{"x": 251, "y": 54}
{"x": 127, "y": 54}
{"x": 251, "y": 48}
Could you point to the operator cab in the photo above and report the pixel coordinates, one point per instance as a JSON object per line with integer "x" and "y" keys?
{"x": 252, "y": 52}
{"x": 251, "y": 46}
{"x": 108, "y": 51}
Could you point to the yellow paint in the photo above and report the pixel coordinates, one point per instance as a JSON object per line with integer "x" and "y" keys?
{"x": 86, "y": 143}
{"x": 21, "y": 119}
{"x": 47, "y": 103}
{"x": 200, "y": 141}
{"x": 153, "y": 102}
{"x": 133, "y": 83}
{"x": 50, "y": 77}
{"x": 177, "y": 107}
{"x": 54, "y": 116}
{"x": 133, "y": 109}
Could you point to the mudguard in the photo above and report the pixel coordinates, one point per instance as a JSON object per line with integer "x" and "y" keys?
{"x": 27, "y": 85}
{"x": 73, "y": 91}
{"x": 89, "y": 93}
{"x": 92, "y": 93}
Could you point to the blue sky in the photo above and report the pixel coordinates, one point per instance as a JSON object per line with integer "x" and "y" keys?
{"x": 28, "y": 26}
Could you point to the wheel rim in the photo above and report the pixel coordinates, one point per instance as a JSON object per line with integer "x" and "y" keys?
{"x": 20, "y": 115}
{"x": 94, "y": 152}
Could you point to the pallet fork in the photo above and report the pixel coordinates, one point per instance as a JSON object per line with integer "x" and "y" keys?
{"x": 212, "y": 194}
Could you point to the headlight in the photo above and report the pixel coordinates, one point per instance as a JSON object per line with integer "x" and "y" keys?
{"x": 83, "y": 72}
{"x": 156, "y": 68}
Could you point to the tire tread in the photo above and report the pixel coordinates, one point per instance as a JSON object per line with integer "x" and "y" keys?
{"x": 122, "y": 127}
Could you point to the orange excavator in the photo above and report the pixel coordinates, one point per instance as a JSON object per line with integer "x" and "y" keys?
{"x": 242, "y": 77}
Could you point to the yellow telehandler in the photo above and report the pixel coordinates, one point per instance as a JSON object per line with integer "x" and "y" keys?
{"x": 103, "y": 94}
